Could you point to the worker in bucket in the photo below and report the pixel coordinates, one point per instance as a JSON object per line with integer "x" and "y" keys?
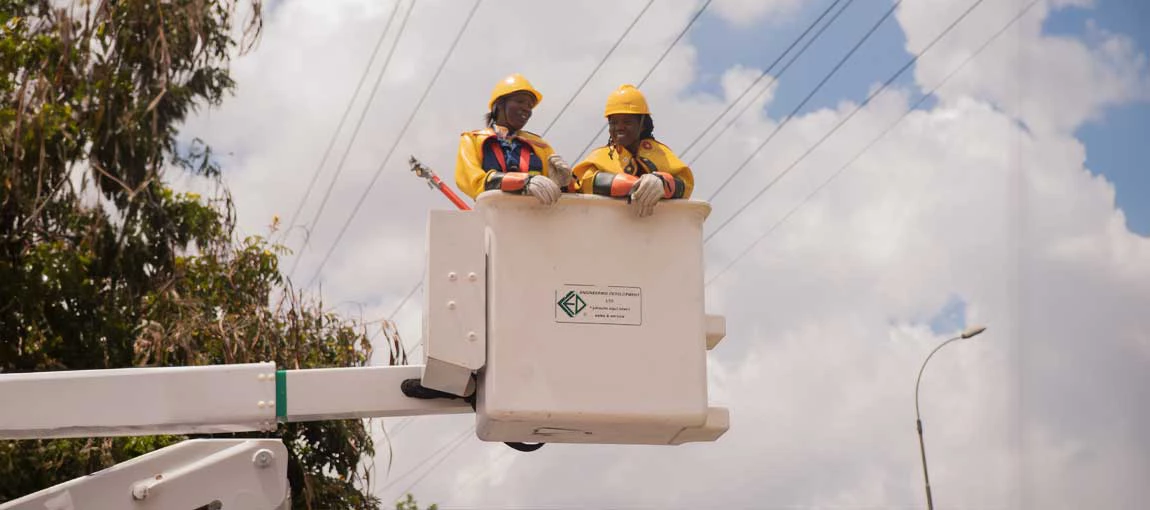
{"x": 503, "y": 156}
{"x": 633, "y": 164}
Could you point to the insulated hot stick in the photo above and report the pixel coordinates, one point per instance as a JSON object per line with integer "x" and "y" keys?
{"x": 436, "y": 183}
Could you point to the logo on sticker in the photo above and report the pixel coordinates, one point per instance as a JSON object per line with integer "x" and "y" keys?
{"x": 572, "y": 304}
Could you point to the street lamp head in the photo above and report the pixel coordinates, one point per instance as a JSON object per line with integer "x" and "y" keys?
{"x": 973, "y": 331}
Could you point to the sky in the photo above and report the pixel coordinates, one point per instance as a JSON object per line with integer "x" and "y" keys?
{"x": 846, "y": 249}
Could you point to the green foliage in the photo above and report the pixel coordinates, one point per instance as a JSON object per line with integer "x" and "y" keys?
{"x": 103, "y": 265}
{"x": 409, "y": 504}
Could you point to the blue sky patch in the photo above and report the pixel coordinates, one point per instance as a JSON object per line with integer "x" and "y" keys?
{"x": 951, "y": 318}
{"x": 721, "y": 46}
{"x": 1115, "y": 144}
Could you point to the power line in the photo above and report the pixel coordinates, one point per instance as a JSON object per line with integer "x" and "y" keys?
{"x": 498, "y": 457}
{"x": 405, "y": 299}
{"x": 650, "y": 71}
{"x": 391, "y": 317}
{"x": 839, "y": 124}
{"x": 601, "y": 62}
{"x": 399, "y": 427}
{"x": 645, "y": 77}
{"x": 354, "y": 135}
{"x": 343, "y": 118}
{"x": 840, "y": 170}
{"x": 564, "y": 109}
{"x": 461, "y": 442}
{"x": 747, "y": 106}
{"x": 764, "y": 74}
{"x": 449, "y": 445}
{"x": 406, "y": 125}
{"x": 881, "y": 135}
{"x": 418, "y": 285}
{"x": 795, "y": 111}
{"x": 459, "y": 439}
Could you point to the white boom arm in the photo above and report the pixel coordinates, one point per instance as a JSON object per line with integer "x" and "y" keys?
{"x": 198, "y": 400}
{"x": 202, "y": 474}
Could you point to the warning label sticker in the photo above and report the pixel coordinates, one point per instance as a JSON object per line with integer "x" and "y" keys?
{"x": 599, "y": 304}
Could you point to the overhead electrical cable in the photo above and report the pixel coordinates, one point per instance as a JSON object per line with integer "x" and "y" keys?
{"x": 596, "y": 69}
{"x": 395, "y": 143}
{"x": 343, "y": 118}
{"x": 651, "y": 70}
{"x": 881, "y": 135}
{"x": 803, "y": 103}
{"x": 459, "y": 442}
{"x": 764, "y": 74}
{"x": 844, "y": 120}
{"x": 355, "y": 133}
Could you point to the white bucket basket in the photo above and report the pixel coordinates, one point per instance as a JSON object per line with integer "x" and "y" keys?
{"x": 595, "y": 326}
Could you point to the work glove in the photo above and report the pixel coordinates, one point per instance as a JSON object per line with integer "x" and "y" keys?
{"x": 646, "y": 193}
{"x": 560, "y": 171}
{"x": 544, "y": 189}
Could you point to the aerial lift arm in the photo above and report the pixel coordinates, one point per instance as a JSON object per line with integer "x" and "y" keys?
{"x": 199, "y": 400}
{"x": 516, "y": 330}
{"x": 205, "y": 474}
{"x": 200, "y": 474}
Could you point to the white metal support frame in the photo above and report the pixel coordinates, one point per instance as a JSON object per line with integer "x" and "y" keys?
{"x": 209, "y": 474}
{"x": 455, "y": 302}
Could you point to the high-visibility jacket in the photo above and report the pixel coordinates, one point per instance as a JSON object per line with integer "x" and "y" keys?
{"x": 613, "y": 171}
{"x": 482, "y": 165}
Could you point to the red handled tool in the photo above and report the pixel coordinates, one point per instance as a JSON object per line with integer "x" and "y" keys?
{"x": 436, "y": 183}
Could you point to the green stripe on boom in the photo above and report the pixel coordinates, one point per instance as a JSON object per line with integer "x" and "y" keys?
{"x": 281, "y": 394}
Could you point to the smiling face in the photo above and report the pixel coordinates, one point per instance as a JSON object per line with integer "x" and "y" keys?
{"x": 516, "y": 110}
{"x": 625, "y": 128}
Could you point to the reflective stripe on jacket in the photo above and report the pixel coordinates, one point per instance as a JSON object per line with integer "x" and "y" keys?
{"x": 482, "y": 163}
{"x": 613, "y": 171}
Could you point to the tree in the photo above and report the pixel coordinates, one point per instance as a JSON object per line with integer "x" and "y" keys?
{"x": 408, "y": 503}
{"x": 104, "y": 265}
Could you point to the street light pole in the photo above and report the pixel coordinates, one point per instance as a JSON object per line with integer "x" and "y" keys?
{"x": 970, "y": 332}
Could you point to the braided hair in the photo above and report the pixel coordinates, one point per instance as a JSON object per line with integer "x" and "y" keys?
{"x": 647, "y": 132}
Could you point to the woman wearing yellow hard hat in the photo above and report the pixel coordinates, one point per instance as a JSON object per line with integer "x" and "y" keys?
{"x": 633, "y": 164}
{"x": 503, "y": 156}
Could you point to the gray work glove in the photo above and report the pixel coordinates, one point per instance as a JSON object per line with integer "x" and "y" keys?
{"x": 646, "y": 193}
{"x": 544, "y": 189}
{"x": 560, "y": 171}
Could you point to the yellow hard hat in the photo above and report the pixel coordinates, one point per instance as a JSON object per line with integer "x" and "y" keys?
{"x": 511, "y": 84}
{"x": 626, "y": 99}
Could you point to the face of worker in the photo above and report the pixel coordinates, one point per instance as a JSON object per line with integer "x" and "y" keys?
{"x": 517, "y": 110}
{"x": 625, "y": 127}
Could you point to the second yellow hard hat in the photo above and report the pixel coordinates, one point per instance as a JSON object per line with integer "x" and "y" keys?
{"x": 511, "y": 84}
{"x": 626, "y": 99}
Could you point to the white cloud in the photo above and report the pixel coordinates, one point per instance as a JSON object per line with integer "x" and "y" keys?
{"x": 826, "y": 318}
{"x": 748, "y": 13}
{"x": 1052, "y": 83}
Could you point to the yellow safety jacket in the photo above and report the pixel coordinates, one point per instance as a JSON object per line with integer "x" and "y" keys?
{"x": 482, "y": 165}
{"x": 612, "y": 171}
